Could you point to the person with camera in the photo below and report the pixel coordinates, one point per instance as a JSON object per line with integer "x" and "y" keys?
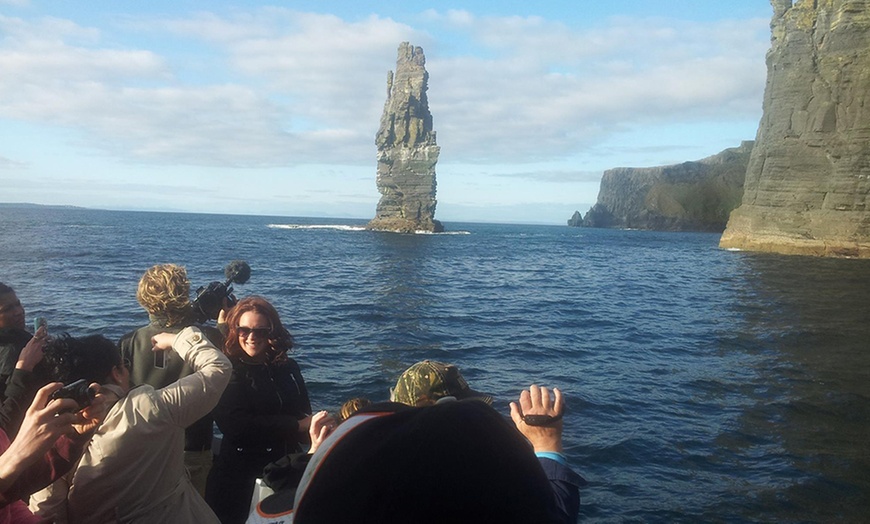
{"x": 13, "y": 335}
{"x": 164, "y": 292}
{"x": 23, "y": 383}
{"x": 264, "y": 414}
{"x": 53, "y": 435}
{"x": 133, "y": 471}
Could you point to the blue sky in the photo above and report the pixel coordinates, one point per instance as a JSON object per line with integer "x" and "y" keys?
{"x": 271, "y": 108}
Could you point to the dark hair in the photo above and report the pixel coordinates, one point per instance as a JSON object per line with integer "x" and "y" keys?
{"x": 5, "y": 289}
{"x": 280, "y": 340}
{"x": 92, "y": 358}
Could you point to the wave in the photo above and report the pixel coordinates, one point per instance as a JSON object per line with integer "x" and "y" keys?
{"x": 318, "y": 226}
{"x": 422, "y": 232}
{"x": 339, "y": 227}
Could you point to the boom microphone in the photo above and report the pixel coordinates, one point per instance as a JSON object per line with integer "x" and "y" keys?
{"x": 237, "y": 271}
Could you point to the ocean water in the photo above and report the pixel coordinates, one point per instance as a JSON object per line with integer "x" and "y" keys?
{"x": 702, "y": 385}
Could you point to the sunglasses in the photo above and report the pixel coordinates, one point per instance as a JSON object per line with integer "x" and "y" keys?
{"x": 245, "y": 332}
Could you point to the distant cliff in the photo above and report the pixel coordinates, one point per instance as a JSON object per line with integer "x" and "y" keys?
{"x": 576, "y": 220}
{"x": 407, "y": 152}
{"x": 808, "y": 180}
{"x": 692, "y": 196}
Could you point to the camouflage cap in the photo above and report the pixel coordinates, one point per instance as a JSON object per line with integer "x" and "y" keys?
{"x": 428, "y": 381}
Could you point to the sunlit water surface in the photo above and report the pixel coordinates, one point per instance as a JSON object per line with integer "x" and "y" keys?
{"x": 702, "y": 384}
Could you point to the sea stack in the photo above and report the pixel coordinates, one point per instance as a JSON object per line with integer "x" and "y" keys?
{"x": 407, "y": 152}
{"x": 808, "y": 179}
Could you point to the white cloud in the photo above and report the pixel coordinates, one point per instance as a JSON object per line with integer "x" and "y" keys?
{"x": 45, "y": 28}
{"x": 7, "y": 163}
{"x": 289, "y": 87}
{"x": 546, "y": 90}
{"x": 556, "y": 176}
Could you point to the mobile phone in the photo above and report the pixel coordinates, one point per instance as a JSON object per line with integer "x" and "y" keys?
{"x": 160, "y": 359}
{"x": 38, "y": 322}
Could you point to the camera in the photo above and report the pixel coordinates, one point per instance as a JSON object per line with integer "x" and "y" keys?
{"x": 80, "y": 391}
{"x": 210, "y": 299}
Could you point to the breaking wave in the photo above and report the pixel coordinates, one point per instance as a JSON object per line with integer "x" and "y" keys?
{"x": 344, "y": 227}
{"x": 338, "y": 227}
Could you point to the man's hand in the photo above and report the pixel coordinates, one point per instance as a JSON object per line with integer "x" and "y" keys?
{"x": 162, "y": 341}
{"x": 545, "y": 415}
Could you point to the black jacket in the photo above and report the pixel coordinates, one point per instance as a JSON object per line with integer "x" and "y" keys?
{"x": 12, "y": 341}
{"x": 259, "y": 411}
{"x": 20, "y": 391}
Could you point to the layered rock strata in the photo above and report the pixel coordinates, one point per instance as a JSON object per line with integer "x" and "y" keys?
{"x": 407, "y": 152}
{"x": 692, "y": 196}
{"x": 808, "y": 179}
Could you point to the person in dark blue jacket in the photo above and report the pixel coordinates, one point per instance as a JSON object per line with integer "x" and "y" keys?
{"x": 539, "y": 419}
{"x": 264, "y": 413}
{"x": 535, "y": 414}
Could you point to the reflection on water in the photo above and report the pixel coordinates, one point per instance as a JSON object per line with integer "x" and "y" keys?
{"x": 811, "y": 396}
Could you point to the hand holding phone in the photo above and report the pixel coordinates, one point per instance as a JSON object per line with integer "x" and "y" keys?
{"x": 160, "y": 359}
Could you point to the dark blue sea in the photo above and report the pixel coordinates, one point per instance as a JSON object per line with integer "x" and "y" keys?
{"x": 703, "y": 385}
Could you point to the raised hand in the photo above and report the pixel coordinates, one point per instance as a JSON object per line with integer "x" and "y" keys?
{"x": 162, "y": 341}
{"x": 539, "y": 418}
{"x": 32, "y": 352}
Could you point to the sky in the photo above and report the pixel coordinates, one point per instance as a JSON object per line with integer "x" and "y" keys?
{"x": 272, "y": 108}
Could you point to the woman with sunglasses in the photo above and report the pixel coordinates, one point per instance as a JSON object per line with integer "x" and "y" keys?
{"x": 264, "y": 413}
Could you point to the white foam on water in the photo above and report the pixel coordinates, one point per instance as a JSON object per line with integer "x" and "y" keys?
{"x": 339, "y": 227}
{"x": 317, "y": 226}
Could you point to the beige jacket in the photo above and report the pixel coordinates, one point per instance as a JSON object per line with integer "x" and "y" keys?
{"x": 133, "y": 469}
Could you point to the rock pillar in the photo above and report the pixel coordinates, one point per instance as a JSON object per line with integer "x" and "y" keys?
{"x": 407, "y": 152}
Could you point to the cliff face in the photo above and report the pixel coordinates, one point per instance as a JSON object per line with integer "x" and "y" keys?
{"x": 809, "y": 175}
{"x": 692, "y": 196}
{"x": 407, "y": 152}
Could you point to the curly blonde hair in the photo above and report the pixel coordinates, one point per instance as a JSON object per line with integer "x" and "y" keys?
{"x": 164, "y": 291}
